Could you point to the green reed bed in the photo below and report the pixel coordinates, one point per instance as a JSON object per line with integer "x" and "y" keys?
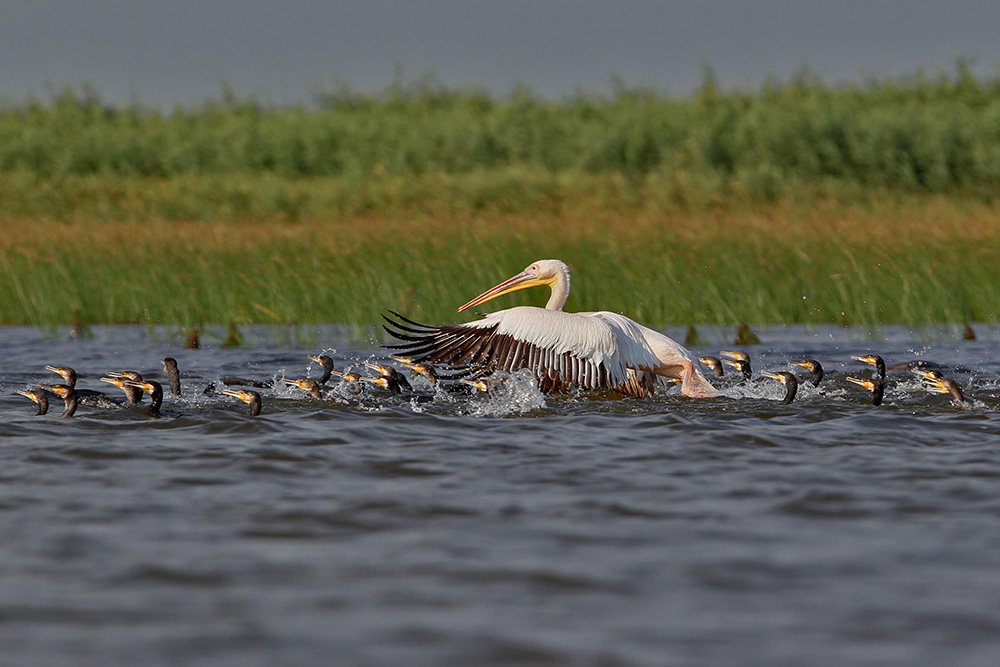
{"x": 771, "y": 264}
{"x": 795, "y": 202}
{"x": 933, "y": 133}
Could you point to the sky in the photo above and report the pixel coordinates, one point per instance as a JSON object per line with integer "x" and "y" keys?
{"x": 162, "y": 53}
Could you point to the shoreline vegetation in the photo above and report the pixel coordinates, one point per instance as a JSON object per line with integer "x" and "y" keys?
{"x": 798, "y": 202}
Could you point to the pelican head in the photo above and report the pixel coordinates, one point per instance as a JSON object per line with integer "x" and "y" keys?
{"x": 551, "y": 272}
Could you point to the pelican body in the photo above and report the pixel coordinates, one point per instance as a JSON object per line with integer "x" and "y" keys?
{"x": 589, "y": 351}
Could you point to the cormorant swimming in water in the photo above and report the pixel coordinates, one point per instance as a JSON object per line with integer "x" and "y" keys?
{"x": 38, "y": 396}
{"x": 876, "y": 386}
{"x": 173, "y": 375}
{"x": 67, "y": 394}
{"x": 249, "y": 397}
{"x": 787, "y": 379}
{"x": 89, "y": 397}
{"x": 305, "y": 384}
{"x": 814, "y": 368}
{"x": 327, "y": 363}
{"x": 742, "y": 360}
{"x": 943, "y": 385}
{"x": 714, "y": 365}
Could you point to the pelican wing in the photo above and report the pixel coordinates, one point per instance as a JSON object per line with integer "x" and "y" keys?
{"x": 587, "y": 350}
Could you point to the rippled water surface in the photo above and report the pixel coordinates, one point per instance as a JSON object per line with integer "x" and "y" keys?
{"x": 502, "y": 529}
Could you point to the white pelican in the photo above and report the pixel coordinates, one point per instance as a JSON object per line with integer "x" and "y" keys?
{"x": 589, "y": 351}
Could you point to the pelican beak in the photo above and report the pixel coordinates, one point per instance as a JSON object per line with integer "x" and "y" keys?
{"x": 522, "y": 280}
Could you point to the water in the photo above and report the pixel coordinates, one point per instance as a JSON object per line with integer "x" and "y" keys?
{"x": 512, "y": 529}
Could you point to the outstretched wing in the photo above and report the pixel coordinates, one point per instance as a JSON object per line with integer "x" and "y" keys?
{"x": 585, "y": 350}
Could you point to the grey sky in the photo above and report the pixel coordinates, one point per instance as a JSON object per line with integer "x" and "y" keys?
{"x": 178, "y": 51}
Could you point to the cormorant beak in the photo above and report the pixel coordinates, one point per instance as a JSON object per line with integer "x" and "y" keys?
{"x": 237, "y": 393}
{"x": 867, "y": 384}
{"x": 522, "y": 280}
{"x": 934, "y": 385}
{"x": 406, "y": 361}
{"x": 381, "y": 370}
{"x": 29, "y": 394}
{"x": 769, "y": 374}
{"x": 111, "y": 378}
{"x": 476, "y": 384}
{"x": 866, "y": 358}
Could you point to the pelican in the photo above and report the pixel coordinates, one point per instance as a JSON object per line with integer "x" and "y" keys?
{"x": 600, "y": 350}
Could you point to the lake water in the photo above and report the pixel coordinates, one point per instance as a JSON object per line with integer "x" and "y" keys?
{"x": 503, "y": 529}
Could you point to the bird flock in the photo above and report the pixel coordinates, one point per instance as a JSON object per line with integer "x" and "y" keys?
{"x": 134, "y": 387}
{"x": 389, "y": 379}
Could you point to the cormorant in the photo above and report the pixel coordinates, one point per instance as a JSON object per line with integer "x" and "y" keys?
{"x": 814, "y": 368}
{"x": 742, "y": 365}
{"x": 38, "y": 396}
{"x": 249, "y": 397}
{"x": 173, "y": 375}
{"x": 392, "y": 374}
{"x": 67, "y": 394}
{"x": 155, "y": 391}
{"x": 876, "y": 386}
{"x": 739, "y": 356}
{"x": 89, "y": 397}
{"x": 133, "y": 395}
{"x": 787, "y": 379}
{"x": 943, "y": 385}
{"x": 327, "y": 363}
{"x": 873, "y": 360}
{"x": 305, "y": 384}
{"x": 386, "y": 382}
{"x": 714, "y": 365}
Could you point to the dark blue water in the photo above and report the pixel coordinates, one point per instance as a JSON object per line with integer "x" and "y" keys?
{"x": 504, "y": 529}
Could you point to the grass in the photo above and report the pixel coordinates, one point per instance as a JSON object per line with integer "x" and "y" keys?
{"x": 796, "y": 202}
{"x": 805, "y": 258}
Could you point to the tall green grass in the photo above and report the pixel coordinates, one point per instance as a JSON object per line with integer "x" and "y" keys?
{"x": 793, "y": 202}
{"x": 926, "y": 133}
{"x": 771, "y": 265}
